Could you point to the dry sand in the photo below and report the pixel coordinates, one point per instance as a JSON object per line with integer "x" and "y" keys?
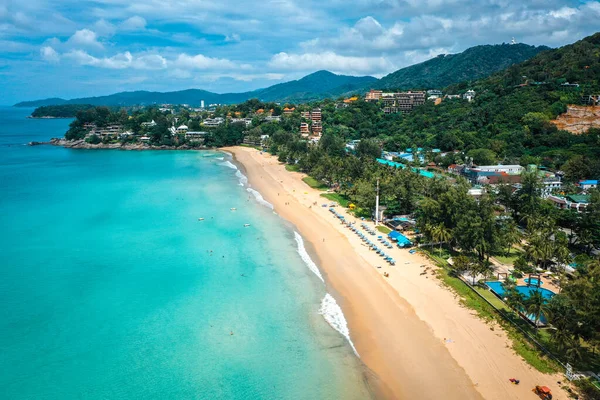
{"x": 411, "y": 332}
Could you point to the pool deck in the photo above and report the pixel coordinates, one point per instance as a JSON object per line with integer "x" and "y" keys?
{"x": 547, "y": 282}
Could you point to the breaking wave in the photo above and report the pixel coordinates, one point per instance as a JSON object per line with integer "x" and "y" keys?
{"x": 243, "y": 179}
{"x": 260, "y": 199}
{"x": 228, "y": 164}
{"x": 331, "y": 311}
{"x": 306, "y": 258}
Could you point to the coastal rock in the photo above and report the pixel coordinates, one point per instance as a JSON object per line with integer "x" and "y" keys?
{"x": 82, "y": 144}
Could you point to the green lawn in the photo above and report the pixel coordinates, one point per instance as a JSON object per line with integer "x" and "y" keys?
{"x": 383, "y": 229}
{"x": 510, "y": 259}
{"x": 313, "y": 183}
{"x": 292, "y": 167}
{"x": 341, "y": 200}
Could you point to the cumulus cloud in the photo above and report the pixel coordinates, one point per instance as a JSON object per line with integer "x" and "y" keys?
{"x": 49, "y": 54}
{"x": 135, "y": 23}
{"x": 201, "y": 62}
{"x": 330, "y": 61}
{"x": 85, "y": 38}
{"x": 118, "y": 61}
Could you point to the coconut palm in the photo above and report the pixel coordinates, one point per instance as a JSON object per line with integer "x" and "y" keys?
{"x": 535, "y": 305}
{"x": 443, "y": 235}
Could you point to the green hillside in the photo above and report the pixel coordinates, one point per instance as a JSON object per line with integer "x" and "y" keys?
{"x": 473, "y": 63}
{"x": 315, "y": 86}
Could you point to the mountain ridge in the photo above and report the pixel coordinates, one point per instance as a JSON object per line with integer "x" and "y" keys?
{"x": 315, "y": 86}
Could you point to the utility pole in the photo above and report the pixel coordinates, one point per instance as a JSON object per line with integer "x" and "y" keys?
{"x": 377, "y": 205}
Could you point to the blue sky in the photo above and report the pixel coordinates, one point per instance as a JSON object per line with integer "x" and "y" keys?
{"x": 73, "y": 48}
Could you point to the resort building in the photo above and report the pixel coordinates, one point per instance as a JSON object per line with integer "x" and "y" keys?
{"x": 469, "y": 95}
{"x": 588, "y": 184}
{"x": 246, "y": 121}
{"x": 571, "y": 202}
{"x": 195, "y": 135}
{"x": 550, "y": 184}
{"x": 148, "y": 124}
{"x": 305, "y": 114}
{"x": 273, "y": 118}
{"x": 401, "y": 102}
{"x": 317, "y": 128}
{"x": 373, "y": 95}
{"x": 304, "y": 129}
{"x": 288, "y": 111}
{"x": 315, "y": 114}
{"x": 508, "y": 169}
{"x": 110, "y": 130}
{"x": 434, "y": 94}
{"x": 213, "y": 122}
{"x": 182, "y": 129}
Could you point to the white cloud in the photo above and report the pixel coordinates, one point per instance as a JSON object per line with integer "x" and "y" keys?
{"x": 201, "y": 62}
{"x": 85, "y": 38}
{"x": 330, "y": 61}
{"x": 49, "y": 54}
{"x": 104, "y": 28}
{"x": 135, "y": 23}
{"x": 118, "y": 61}
{"x": 234, "y": 37}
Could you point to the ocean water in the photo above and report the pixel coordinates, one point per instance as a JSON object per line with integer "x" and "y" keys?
{"x": 111, "y": 288}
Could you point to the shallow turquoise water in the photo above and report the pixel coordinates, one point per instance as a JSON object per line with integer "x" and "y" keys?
{"x": 110, "y": 288}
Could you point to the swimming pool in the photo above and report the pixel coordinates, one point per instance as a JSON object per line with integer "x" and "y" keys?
{"x": 498, "y": 289}
{"x": 534, "y": 281}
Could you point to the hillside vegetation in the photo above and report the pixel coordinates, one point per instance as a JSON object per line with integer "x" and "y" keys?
{"x": 60, "y": 111}
{"x": 447, "y": 69}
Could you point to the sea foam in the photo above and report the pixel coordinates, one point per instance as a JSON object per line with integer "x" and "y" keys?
{"x": 243, "y": 179}
{"x": 260, "y": 199}
{"x": 331, "y": 311}
{"x": 306, "y": 258}
{"x": 228, "y": 164}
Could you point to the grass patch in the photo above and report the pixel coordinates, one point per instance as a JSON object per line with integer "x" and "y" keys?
{"x": 251, "y": 146}
{"x": 313, "y": 183}
{"x": 341, "y": 200}
{"x": 292, "y": 167}
{"x": 510, "y": 258}
{"x": 383, "y": 229}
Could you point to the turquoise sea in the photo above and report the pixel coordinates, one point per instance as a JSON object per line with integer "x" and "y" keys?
{"x": 111, "y": 288}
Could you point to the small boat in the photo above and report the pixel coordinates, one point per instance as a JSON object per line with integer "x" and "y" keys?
{"x": 246, "y": 225}
{"x": 233, "y": 208}
{"x": 200, "y": 219}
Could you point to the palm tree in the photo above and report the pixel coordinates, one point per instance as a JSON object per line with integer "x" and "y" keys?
{"x": 443, "y": 235}
{"x": 513, "y": 297}
{"x": 535, "y": 305}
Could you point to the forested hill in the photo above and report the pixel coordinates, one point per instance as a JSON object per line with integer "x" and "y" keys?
{"x": 510, "y": 117}
{"x": 59, "y": 111}
{"x": 316, "y": 86}
{"x": 472, "y": 64}
{"x": 575, "y": 63}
